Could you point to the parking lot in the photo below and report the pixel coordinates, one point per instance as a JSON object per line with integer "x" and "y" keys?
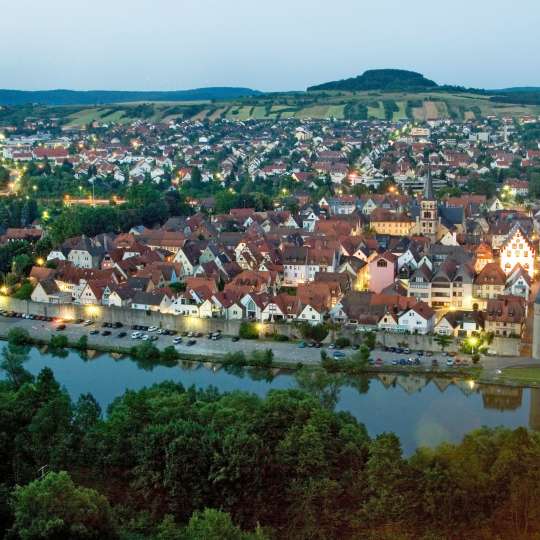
{"x": 105, "y": 334}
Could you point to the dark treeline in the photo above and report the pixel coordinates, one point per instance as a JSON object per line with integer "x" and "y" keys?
{"x": 168, "y": 462}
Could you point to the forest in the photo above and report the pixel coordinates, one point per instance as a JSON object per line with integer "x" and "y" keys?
{"x": 169, "y": 462}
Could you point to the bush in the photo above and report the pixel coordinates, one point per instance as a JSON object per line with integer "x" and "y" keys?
{"x": 248, "y": 331}
{"x": 24, "y": 292}
{"x": 343, "y": 342}
{"x": 280, "y": 337}
{"x": 18, "y": 336}
{"x": 262, "y": 358}
{"x": 58, "y": 342}
{"x": 369, "y": 340}
{"x": 145, "y": 351}
{"x": 169, "y": 354}
{"x": 237, "y": 359}
{"x": 82, "y": 343}
{"x": 317, "y": 332}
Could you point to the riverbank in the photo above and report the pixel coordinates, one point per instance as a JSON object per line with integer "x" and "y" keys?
{"x": 477, "y": 374}
{"x": 286, "y": 355}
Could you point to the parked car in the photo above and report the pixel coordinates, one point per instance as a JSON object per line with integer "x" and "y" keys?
{"x": 93, "y": 332}
{"x": 450, "y": 362}
{"x": 338, "y": 354}
{"x": 302, "y": 345}
{"x": 177, "y": 340}
{"x": 191, "y": 342}
{"x": 106, "y": 333}
{"x": 122, "y": 334}
{"x": 88, "y": 323}
{"x": 117, "y": 325}
{"x": 434, "y": 362}
{"x": 153, "y": 338}
{"x": 152, "y": 329}
{"x": 60, "y": 327}
{"x": 379, "y": 362}
{"x": 235, "y": 338}
{"x": 136, "y": 335}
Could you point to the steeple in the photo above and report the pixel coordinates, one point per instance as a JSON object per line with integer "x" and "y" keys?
{"x": 428, "y": 186}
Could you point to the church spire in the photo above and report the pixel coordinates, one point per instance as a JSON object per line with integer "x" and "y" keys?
{"x": 428, "y": 186}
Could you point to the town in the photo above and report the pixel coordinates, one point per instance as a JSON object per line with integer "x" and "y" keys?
{"x": 412, "y": 228}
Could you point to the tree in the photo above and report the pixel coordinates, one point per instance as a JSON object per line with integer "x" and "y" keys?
{"x": 442, "y": 340}
{"x": 361, "y": 357}
{"x": 82, "y": 343}
{"x": 316, "y": 332}
{"x": 212, "y": 524}
{"x": 13, "y": 359}
{"x": 18, "y": 336}
{"x": 369, "y": 340}
{"x": 54, "y": 507}
{"x": 24, "y": 292}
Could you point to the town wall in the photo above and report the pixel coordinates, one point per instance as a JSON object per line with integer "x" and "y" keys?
{"x": 180, "y": 323}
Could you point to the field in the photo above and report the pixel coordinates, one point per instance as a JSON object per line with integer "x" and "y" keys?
{"x": 305, "y": 105}
{"x": 525, "y": 375}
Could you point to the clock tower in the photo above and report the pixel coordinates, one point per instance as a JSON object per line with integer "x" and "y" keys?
{"x": 429, "y": 215}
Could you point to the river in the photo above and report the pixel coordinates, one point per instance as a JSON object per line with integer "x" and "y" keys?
{"x": 421, "y": 411}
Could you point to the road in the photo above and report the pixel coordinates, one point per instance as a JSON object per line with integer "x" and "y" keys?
{"x": 289, "y": 353}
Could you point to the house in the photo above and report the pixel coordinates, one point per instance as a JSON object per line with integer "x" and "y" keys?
{"x": 382, "y": 271}
{"x": 517, "y": 249}
{"x": 505, "y": 316}
{"x": 157, "y": 300}
{"x": 393, "y": 223}
{"x": 300, "y": 264}
{"x": 519, "y": 283}
{"x": 460, "y": 323}
{"x": 489, "y": 283}
{"x": 48, "y": 292}
{"x": 420, "y": 319}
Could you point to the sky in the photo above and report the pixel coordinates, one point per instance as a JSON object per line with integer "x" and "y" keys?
{"x": 267, "y": 45}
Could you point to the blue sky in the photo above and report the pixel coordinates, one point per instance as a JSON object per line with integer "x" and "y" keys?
{"x": 268, "y": 45}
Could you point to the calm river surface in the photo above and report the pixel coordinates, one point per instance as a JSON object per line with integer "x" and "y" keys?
{"x": 419, "y": 410}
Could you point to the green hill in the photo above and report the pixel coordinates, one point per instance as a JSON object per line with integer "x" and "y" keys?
{"x": 380, "y": 79}
{"x": 97, "y": 97}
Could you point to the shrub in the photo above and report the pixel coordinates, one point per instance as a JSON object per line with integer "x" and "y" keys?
{"x": 343, "y": 342}
{"x": 317, "y": 332}
{"x": 145, "y": 351}
{"x": 24, "y": 292}
{"x": 82, "y": 343}
{"x": 169, "y": 354}
{"x": 248, "y": 331}
{"x": 18, "y": 336}
{"x": 280, "y": 337}
{"x": 369, "y": 340}
{"x": 58, "y": 342}
{"x": 262, "y": 358}
{"x": 237, "y": 359}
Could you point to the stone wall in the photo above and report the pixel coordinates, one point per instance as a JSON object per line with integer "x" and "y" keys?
{"x": 180, "y": 323}
{"x": 129, "y": 317}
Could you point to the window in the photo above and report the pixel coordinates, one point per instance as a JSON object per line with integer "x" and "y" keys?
{"x": 381, "y": 263}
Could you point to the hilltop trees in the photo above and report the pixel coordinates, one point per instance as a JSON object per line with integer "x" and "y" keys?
{"x": 55, "y": 507}
{"x": 179, "y": 464}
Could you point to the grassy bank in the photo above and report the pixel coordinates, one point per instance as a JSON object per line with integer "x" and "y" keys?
{"x": 521, "y": 376}
{"x": 252, "y": 361}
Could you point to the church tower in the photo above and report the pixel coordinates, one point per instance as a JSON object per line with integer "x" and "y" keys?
{"x": 429, "y": 215}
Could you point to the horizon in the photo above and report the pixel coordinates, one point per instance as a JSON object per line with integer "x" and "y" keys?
{"x": 185, "y": 45}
